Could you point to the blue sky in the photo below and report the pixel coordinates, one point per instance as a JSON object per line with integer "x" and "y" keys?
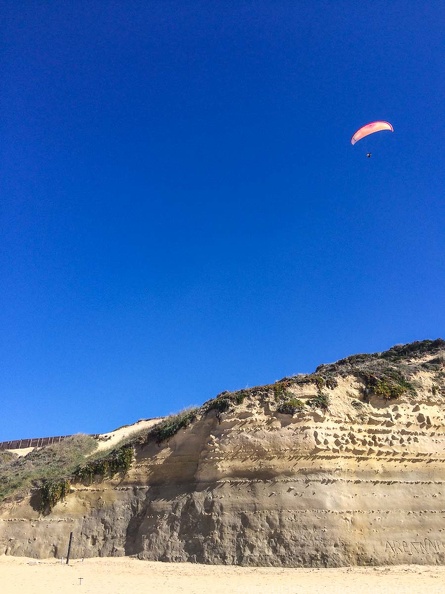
{"x": 181, "y": 209}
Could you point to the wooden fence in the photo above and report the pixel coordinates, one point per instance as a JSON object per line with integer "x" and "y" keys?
{"x": 36, "y": 442}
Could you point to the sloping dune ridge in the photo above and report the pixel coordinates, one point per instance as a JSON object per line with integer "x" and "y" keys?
{"x": 341, "y": 467}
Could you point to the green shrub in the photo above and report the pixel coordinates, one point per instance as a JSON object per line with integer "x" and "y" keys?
{"x": 414, "y": 349}
{"x": 219, "y": 404}
{"x": 290, "y": 406}
{"x": 388, "y": 383}
{"x": 280, "y": 390}
{"x": 53, "y": 491}
{"x": 388, "y": 390}
{"x": 319, "y": 382}
{"x": 320, "y": 401}
{"x": 117, "y": 461}
{"x": 171, "y": 425}
{"x": 224, "y": 401}
{"x": 327, "y": 380}
{"x": 239, "y": 397}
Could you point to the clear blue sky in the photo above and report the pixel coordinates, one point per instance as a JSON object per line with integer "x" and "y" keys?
{"x": 182, "y": 211}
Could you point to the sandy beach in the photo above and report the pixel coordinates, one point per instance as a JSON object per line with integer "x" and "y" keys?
{"x": 125, "y": 575}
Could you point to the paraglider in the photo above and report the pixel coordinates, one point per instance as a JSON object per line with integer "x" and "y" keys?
{"x": 370, "y": 129}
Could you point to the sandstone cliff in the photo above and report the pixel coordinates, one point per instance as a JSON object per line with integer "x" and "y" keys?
{"x": 345, "y": 466}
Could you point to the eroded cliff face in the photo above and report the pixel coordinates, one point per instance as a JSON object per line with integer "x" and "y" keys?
{"x": 362, "y": 482}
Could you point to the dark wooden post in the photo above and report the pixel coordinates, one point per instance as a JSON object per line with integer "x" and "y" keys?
{"x": 69, "y": 548}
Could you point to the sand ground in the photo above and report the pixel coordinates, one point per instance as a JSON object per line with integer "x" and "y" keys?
{"x": 126, "y": 575}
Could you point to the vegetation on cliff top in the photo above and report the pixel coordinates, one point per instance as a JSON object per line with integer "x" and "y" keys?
{"x": 389, "y": 374}
{"x": 56, "y": 488}
{"x": 171, "y": 425}
{"x": 51, "y": 469}
{"x": 18, "y": 475}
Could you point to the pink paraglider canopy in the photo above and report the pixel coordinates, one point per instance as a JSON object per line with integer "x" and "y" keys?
{"x": 370, "y": 129}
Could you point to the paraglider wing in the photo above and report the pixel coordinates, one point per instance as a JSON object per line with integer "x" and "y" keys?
{"x": 370, "y": 129}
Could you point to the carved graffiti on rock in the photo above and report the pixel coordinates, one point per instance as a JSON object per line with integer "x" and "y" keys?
{"x": 414, "y": 547}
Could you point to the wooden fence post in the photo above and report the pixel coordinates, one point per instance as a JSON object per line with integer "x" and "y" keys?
{"x": 69, "y": 549}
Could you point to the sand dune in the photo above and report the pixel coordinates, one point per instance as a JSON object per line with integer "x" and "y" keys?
{"x": 124, "y": 575}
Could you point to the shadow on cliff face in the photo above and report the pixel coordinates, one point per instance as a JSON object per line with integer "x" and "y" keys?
{"x": 36, "y": 501}
{"x": 172, "y": 524}
{"x": 169, "y": 505}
